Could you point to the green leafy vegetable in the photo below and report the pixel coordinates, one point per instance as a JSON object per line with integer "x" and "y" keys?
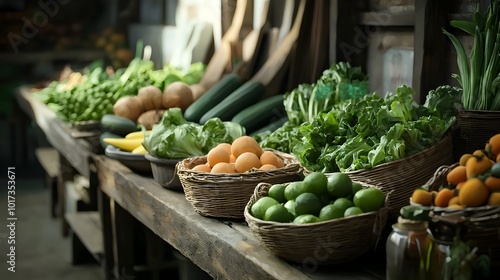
{"x": 174, "y": 137}
{"x": 96, "y": 94}
{"x": 479, "y": 71}
{"x": 387, "y": 129}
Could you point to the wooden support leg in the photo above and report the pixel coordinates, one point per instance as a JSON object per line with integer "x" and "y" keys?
{"x": 107, "y": 231}
{"x": 67, "y": 173}
{"x": 123, "y": 237}
{"x": 53, "y": 197}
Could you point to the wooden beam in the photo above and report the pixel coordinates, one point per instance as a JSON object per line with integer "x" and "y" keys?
{"x": 87, "y": 226}
{"x": 429, "y": 64}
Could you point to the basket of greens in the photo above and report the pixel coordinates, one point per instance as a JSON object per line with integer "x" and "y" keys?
{"x": 479, "y": 77}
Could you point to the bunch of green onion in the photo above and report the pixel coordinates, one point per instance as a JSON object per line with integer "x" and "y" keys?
{"x": 479, "y": 73}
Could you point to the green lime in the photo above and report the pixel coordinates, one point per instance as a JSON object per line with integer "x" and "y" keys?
{"x": 277, "y": 192}
{"x": 306, "y": 219}
{"x": 352, "y": 211}
{"x": 356, "y": 187}
{"x": 307, "y": 203}
{"x": 316, "y": 183}
{"x": 339, "y": 185}
{"x": 343, "y": 203}
{"x": 369, "y": 199}
{"x": 293, "y": 190}
{"x": 277, "y": 213}
{"x": 326, "y": 199}
{"x": 290, "y": 206}
{"x": 330, "y": 212}
{"x": 260, "y": 206}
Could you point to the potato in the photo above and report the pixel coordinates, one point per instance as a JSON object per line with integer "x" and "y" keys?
{"x": 151, "y": 97}
{"x": 149, "y": 118}
{"x": 177, "y": 94}
{"x": 129, "y": 107}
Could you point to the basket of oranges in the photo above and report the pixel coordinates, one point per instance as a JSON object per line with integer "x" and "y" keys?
{"x": 314, "y": 221}
{"x": 221, "y": 183}
{"x": 469, "y": 192}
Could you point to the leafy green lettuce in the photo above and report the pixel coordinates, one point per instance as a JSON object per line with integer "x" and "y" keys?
{"x": 362, "y": 133}
{"x": 176, "y": 138}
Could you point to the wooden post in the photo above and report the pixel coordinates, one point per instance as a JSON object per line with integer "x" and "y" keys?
{"x": 429, "y": 64}
{"x": 107, "y": 262}
{"x": 123, "y": 247}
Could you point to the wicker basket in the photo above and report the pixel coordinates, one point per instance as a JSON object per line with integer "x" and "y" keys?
{"x": 402, "y": 177}
{"x": 474, "y": 129}
{"x": 481, "y": 225}
{"x": 225, "y": 195}
{"x": 329, "y": 242}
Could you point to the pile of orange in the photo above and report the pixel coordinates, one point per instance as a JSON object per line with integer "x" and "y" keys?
{"x": 242, "y": 155}
{"x": 474, "y": 182}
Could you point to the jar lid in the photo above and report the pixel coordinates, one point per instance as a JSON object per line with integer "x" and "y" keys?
{"x": 407, "y": 224}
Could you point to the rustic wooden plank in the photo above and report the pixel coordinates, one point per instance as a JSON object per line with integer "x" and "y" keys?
{"x": 87, "y": 226}
{"x": 58, "y": 133}
{"x": 214, "y": 246}
{"x": 49, "y": 160}
{"x": 35, "y": 109}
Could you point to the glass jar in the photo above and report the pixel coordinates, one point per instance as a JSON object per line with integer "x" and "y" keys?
{"x": 406, "y": 250}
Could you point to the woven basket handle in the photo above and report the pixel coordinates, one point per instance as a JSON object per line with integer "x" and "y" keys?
{"x": 439, "y": 177}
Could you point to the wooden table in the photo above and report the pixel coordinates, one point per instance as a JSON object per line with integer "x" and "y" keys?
{"x": 224, "y": 249}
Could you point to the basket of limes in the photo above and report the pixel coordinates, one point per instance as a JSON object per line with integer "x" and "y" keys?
{"x": 325, "y": 219}
{"x": 221, "y": 183}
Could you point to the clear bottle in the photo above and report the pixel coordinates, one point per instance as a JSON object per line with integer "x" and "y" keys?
{"x": 406, "y": 250}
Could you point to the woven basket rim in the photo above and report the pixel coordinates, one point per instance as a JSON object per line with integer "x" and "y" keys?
{"x": 291, "y": 163}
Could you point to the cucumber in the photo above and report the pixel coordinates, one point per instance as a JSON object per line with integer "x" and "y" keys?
{"x": 107, "y": 135}
{"x": 246, "y": 95}
{"x": 117, "y": 125}
{"x": 271, "y": 126}
{"x": 261, "y": 113}
{"x": 212, "y": 97}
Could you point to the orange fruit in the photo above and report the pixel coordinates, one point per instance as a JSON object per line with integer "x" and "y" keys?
{"x": 269, "y": 157}
{"x": 245, "y": 144}
{"x": 225, "y": 146}
{"x": 463, "y": 159}
{"x": 459, "y": 185}
{"x": 223, "y": 167}
{"x": 247, "y": 161}
{"x": 217, "y": 155}
{"x": 494, "y": 199}
{"x": 443, "y": 197}
{"x": 422, "y": 197}
{"x": 456, "y": 206}
{"x": 457, "y": 175}
{"x": 498, "y": 158}
{"x": 267, "y": 167}
{"x": 494, "y": 143}
{"x": 492, "y": 183}
{"x": 202, "y": 168}
{"x": 232, "y": 159}
{"x": 454, "y": 200}
{"x": 473, "y": 193}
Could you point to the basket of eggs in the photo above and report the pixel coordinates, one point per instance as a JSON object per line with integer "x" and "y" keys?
{"x": 221, "y": 183}
{"x": 468, "y": 192}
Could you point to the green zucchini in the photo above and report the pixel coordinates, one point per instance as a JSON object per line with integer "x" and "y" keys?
{"x": 271, "y": 127}
{"x": 261, "y": 113}
{"x": 246, "y": 95}
{"x": 117, "y": 125}
{"x": 212, "y": 97}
